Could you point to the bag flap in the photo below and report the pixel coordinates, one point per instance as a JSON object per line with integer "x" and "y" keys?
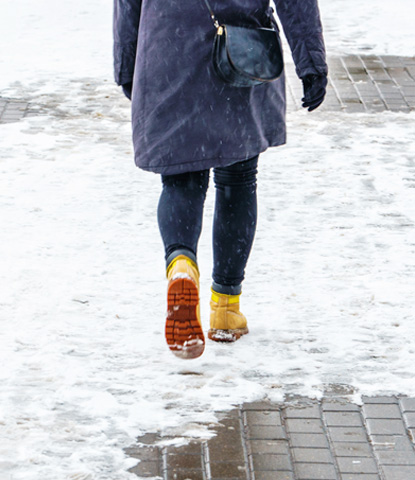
{"x": 255, "y": 52}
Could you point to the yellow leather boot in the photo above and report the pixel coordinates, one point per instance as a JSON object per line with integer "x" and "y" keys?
{"x": 184, "y": 332}
{"x": 227, "y": 323}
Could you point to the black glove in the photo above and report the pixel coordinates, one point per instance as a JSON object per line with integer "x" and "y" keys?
{"x": 314, "y": 91}
{"x": 127, "y": 89}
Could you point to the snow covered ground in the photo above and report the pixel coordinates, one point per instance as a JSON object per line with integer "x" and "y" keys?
{"x": 380, "y": 27}
{"x": 83, "y": 364}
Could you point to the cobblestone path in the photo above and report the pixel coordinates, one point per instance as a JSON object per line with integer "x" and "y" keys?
{"x": 357, "y": 84}
{"x": 333, "y": 439}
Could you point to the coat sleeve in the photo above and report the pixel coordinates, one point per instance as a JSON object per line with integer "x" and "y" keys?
{"x": 125, "y": 28}
{"x": 301, "y": 22}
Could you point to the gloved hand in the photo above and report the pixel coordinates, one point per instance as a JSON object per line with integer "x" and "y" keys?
{"x": 314, "y": 91}
{"x": 127, "y": 88}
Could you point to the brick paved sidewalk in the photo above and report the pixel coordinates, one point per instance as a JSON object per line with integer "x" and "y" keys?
{"x": 359, "y": 84}
{"x": 356, "y": 84}
{"x": 333, "y": 439}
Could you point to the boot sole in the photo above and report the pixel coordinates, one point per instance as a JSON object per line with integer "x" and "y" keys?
{"x": 184, "y": 334}
{"x": 226, "y": 336}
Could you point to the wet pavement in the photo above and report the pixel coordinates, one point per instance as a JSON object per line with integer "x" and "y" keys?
{"x": 299, "y": 439}
{"x": 357, "y": 84}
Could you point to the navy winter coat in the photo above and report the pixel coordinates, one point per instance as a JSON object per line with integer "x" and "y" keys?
{"x": 184, "y": 118}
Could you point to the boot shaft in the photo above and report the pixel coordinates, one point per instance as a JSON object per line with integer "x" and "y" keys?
{"x": 183, "y": 267}
{"x": 225, "y": 313}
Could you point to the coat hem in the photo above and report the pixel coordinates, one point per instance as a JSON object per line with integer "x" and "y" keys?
{"x": 206, "y": 163}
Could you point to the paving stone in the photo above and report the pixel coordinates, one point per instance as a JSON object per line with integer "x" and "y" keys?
{"x": 262, "y": 432}
{"x": 399, "y": 108}
{"x": 190, "y": 462}
{"x": 385, "y": 427}
{"x": 410, "y": 419}
{"x": 352, "y": 60}
{"x": 271, "y": 462}
{"x": 263, "y": 418}
{"x": 387, "y": 457}
{"x": 228, "y": 442}
{"x": 339, "y": 406}
{"x": 398, "y": 472}
{"x": 311, "y": 411}
{"x": 260, "y": 406}
{"x": 349, "y": 95}
{"x": 375, "y": 108}
{"x": 392, "y": 96}
{"x": 305, "y": 425}
{"x": 274, "y": 476}
{"x": 230, "y": 450}
{"x": 411, "y": 102}
{"x": 347, "y": 434}
{"x": 352, "y": 449}
{"x": 307, "y": 440}
{"x": 379, "y": 399}
{"x": 9, "y": 119}
{"x": 381, "y": 411}
{"x": 411, "y": 71}
{"x": 269, "y": 446}
{"x": 378, "y": 75}
{"x": 369, "y": 94}
{"x": 149, "y": 439}
{"x": 312, "y": 455}
{"x": 357, "y": 465}
{"x": 391, "y": 60}
{"x": 397, "y": 443}
{"x": 193, "y": 448}
{"x": 231, "y": 421}
{"x": 227, "y": 470}
{"x": 407, "y": 404}
{"x": 359, "y": 476}
{"x": 149, "y": 454}
{"x": 14, "y": 110}
{"x": 186, "y": 475}
{"x": 146, "y": 469}
{"x": 343, "y": 419}
{"x": 13, "y": 113}
{"x": 355, "y": 109}
{"x": 315, "y": 471}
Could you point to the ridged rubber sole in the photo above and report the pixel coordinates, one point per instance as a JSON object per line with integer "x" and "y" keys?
{"x": 226, "y": 336}
{"x": 184, "y": 334}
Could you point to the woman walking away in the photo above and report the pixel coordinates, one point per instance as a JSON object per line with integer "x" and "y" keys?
{"x": 187, "y": 120}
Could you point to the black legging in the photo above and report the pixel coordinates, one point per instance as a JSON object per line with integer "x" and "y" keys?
{"x": 180, "y": 213}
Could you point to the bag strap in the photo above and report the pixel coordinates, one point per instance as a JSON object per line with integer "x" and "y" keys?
{"x": 212, "y": 15}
